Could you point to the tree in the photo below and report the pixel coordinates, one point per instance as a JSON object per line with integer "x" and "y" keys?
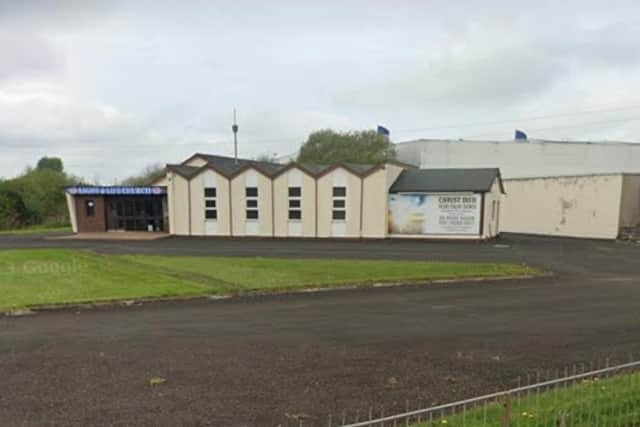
{"x": 329, "y": 147}
{"x": 146, "y": 177}
{"x": 50, "y": 163}
{"x": 13, "y": 212}
{"x": 37, "y": 196}
{"x": 42, "y": 191}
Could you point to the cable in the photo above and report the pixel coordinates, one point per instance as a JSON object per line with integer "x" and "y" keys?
{"x": 532, "y": 118}
{"x": 628, "y": 119}
{"x": 144, "y": 146}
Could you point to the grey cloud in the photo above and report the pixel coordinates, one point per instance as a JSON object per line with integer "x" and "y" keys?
{"x": 115, "y": 85}
{"x": 609, "y": 46}
{"x": 47, "y": 15}
{"x": 27, "y": 56}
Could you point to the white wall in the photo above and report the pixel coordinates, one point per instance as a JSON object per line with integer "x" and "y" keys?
{"x": 524, "y": 159}
{"x": 492, "y": 206}
{"x": 242, "y": 226}
{"x": 630, "y": 203}
{"x": 71, "y": 206}
{"x": 578, "y": 206}
{"x": 284, "y": 227}
{"x": 351, "y": 227}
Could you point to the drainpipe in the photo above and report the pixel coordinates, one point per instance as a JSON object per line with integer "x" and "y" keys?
{"x": 189, "y": 203}
{"x": 361, "y": 203}
{"x": 273, "y": 213}
{"x": 482, "y": 215}
{"x": 315, "y": 214}
{"x": 230, "y": 208}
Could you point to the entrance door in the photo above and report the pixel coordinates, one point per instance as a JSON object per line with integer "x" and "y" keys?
{"x": 135, "y": 214}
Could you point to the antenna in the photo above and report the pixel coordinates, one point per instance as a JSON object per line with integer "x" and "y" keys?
{"x": 234, "y": 128}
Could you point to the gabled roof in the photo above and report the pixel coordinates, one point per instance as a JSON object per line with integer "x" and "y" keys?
{"x": 225, "y": 166}
{"x": 446, "y": 180}
{"x": 230, "y": 167}
{"x": 184, "y": 170}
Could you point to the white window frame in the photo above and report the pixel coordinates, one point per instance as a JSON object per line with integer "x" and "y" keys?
{"x": 210, "y": 199}
{"x": 335, "y": 198}
{"x": 294, "y": 209}
{"x": 255, "y": 208}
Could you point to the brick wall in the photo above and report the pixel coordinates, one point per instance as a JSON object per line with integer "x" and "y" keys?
{"x": 95, "y": 223}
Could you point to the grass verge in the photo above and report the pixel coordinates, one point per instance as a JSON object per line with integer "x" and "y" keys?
{"x": 38, "y": 229}
{"x": 613, "y": 401}
{"x": 58, "y": 276}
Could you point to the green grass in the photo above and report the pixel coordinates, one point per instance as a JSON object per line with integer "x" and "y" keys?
{"x": 612, "y": 401}
{"x": 37, "y": 229}
{"x": 52, "y": 276}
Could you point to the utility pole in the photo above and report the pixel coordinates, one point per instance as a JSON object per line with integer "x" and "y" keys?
{"x": 234, "y": 128}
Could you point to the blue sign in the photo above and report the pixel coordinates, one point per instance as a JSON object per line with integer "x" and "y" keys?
{"x": 90, "y": 190}
{"x": 520, "y": 135}
{"x": 383, "y": 131}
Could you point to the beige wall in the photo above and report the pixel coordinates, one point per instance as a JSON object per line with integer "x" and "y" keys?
{"x": 178, "y": 200}
{"x": 630, "y": 201}
{"x": 491, "y": 217}
{"x": 208, "y": 227}
{"x": 291, "y": 228}
{"x": 578, "y": 206}
{"x": 375, "y": 204}
{"x": 366, "y": 202}
{"x": 241, "y": 226}
{"x": 393, "y": 171}
{"x": 71, "y": 206}
{"x": 327, "y": 227}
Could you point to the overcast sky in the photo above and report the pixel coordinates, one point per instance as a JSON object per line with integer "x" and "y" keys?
{"x": 112, "y": 86}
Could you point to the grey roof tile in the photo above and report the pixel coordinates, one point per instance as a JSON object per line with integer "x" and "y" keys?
{"x": 443, "y": 180}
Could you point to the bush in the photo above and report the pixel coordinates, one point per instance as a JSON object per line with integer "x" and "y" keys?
{"x": 13, "y": 212}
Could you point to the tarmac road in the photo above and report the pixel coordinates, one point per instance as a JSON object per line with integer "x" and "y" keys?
{"x": 258, "y": 361}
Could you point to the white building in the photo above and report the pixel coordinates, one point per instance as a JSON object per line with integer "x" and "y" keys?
{"x": 524, "y": 159}
{"x": 577, "y": 189}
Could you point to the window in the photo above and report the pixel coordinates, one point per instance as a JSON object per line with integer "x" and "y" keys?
{"x": 295, "y": 192}
{"x": 339, "y": 215}
{"x": 493, "y": 210}
{"x": 295, "y": 203}
{"x": 251, "y": 194}
{"x": 339, "y": 191}
{"x": 339, "y": 212}
{"x": 210, "y": 203}
{"x": 90, "y": 208}
{"x": 295, "y": 214}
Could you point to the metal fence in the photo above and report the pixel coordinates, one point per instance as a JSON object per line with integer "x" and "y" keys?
{"x": 581, "y": 395}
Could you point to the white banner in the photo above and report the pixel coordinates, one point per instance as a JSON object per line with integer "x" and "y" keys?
{"x": 424, "y": 213}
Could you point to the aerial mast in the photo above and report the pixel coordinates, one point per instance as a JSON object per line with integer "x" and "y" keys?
{"x": 234, "y": 128}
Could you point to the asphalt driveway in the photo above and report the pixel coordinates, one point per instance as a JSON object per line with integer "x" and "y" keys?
{"x": 260, "y": 361}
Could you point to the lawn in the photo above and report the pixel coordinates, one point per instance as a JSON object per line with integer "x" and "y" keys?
{"x": 37, "y": 229}
{"x": 613, "y": 401}
{"x": 52, "y": 276}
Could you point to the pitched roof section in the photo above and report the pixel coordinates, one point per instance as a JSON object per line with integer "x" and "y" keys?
{"x": 446, "y": 180}
{"x": 229, "y": 167}
{"x": 184, "y": 170}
